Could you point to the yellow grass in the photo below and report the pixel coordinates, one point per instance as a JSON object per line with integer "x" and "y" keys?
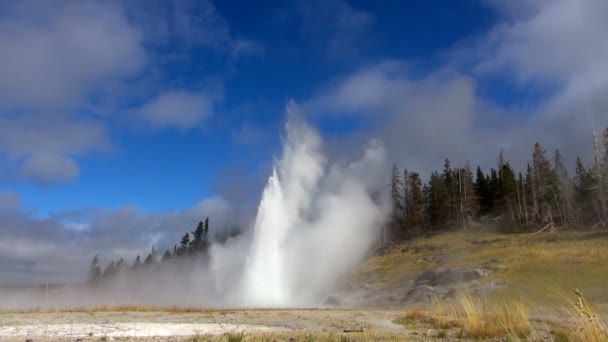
{"x": 370, "y": 335}
{"x": 536, "y": 266}
{"x": 477, "y": 318}
{"x": 584, "y": 323}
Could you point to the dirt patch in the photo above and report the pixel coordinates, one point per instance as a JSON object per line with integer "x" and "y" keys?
{"x": 70, "y": 326}
{"x": 130, "y": 329}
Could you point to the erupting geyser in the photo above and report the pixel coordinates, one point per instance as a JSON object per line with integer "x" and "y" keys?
{"x": 314, "y": 222}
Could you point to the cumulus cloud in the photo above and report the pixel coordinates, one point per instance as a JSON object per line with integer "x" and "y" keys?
{"x": 49, "y": 168}
{"x": 179, "y": 109}
{"x": 556, "y": 47}
{"x": 441, "y": 115}
{"x": 60, "y": 60}
{"x": 53, "y": 54}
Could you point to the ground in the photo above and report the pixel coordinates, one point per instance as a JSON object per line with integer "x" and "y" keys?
{"x": 464, "y": 284}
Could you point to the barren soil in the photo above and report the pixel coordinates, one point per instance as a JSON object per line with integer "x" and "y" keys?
{"x": 95, "y": 326}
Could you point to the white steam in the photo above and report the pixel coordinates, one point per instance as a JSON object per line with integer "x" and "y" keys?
{"x": 313, "y": 224}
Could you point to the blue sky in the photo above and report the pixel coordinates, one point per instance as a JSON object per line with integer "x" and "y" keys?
{"x": 297, "y": 47}
{"x": 171, "y": 110}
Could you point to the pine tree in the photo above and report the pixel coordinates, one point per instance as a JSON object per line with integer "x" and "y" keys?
{"x": 166, "y": 257}
{"x": 468, "y": 200}
{"x": 439, "y": 200}
{"x": 545, "y": 183}
{"x": 584, "y": 184}
{"x": 151, "y": 258}
{"x": 121, "y": 266}
{"x": 565, "y": 190}
{"x": 397, "y": 199}
{"x": 450, "y": 185}
{"x": 415, "y": 203}
{"x": 184, "y": 247}
{"x": 508, "y": 193}
{"x": 110, "y": 270}
{"x": 198, "y": 235}
{"x": 482, "y": 192}
{"x": 136, "y": 263}
{"x": 94, "y": 271}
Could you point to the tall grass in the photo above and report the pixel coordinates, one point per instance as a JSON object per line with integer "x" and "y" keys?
{"x": 483, "y": 319}
{"x": 583, "y": 323}
{"x": 476, "y": 317}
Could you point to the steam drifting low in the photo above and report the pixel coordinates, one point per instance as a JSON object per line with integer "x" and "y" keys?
{"x": 316, "y": 220}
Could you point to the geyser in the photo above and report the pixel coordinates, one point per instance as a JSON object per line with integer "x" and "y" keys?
{"x": 314, "y": 222}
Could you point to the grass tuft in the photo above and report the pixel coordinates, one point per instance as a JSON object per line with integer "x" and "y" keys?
{"x": 585, "y": 322}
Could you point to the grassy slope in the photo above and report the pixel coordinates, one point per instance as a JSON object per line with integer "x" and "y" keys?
{"x": 539, "y": 267}
{"x": 541, "y": 271}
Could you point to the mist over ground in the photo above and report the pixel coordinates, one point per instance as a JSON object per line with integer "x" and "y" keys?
{"x": 315, "y": 222}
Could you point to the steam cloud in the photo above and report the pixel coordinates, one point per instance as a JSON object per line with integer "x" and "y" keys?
{"x": 314, "y": 223}
{"x": 316, "y": 220}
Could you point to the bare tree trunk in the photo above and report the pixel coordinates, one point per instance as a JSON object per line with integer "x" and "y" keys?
{"x": 519, "y": 214}
{"x": 599, "y": 168}
{"x": 511, "y": 213}
{"x": 559, "y": 209}
{"x": 523, "y": 190}
{"x": 535, "y": 195}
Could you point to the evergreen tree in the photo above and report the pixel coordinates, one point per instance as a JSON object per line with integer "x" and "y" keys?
{"x": 110, "y": 270}
{"x": 198, "y": 235}
{"x": 468, "y": 199}
{"x": 508, "y": 195}
{"x": 584, "y": 184}
{"x": 166, "y": 257}
{"x": 439, "y": 198}
{"x": 415, "y": 202}
{"x": 136, "y": 263}
{"x": 184, "y": 247}
{"x": 450, "y": 186}
{"x": 397, "y": 199}
{"x": 545, "y": 183}
{"x": 121, "y": 266}
{"x": 564, "y": 203}
{"x": 94, "y": 271}
{"x": 482, "y": 192}
{"x": 151, "y": 258}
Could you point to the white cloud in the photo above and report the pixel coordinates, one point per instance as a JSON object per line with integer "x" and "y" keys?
{"x": 54, "y": 54}
{"x": 179, "y": 109}
{"x": 555, "y": 46}
{"x": 29, "y": 134}
{"x": 60, "y": 60}
{"x": 9, "y": 202}
{"x": 49, "y": 168}
{"x": 423, "y": 120}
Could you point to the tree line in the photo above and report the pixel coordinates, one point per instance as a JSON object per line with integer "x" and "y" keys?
{"x": 193, "y": 245}
{"x": 544, "y": 194}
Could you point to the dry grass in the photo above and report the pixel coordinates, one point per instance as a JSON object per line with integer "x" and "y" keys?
{"x": 536, "y": 266}
{"x": 478, "y": 318}
{"x": 370, "y": 335}
{"x": 484, "y": 319}
{"x": 583, "y": 324}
